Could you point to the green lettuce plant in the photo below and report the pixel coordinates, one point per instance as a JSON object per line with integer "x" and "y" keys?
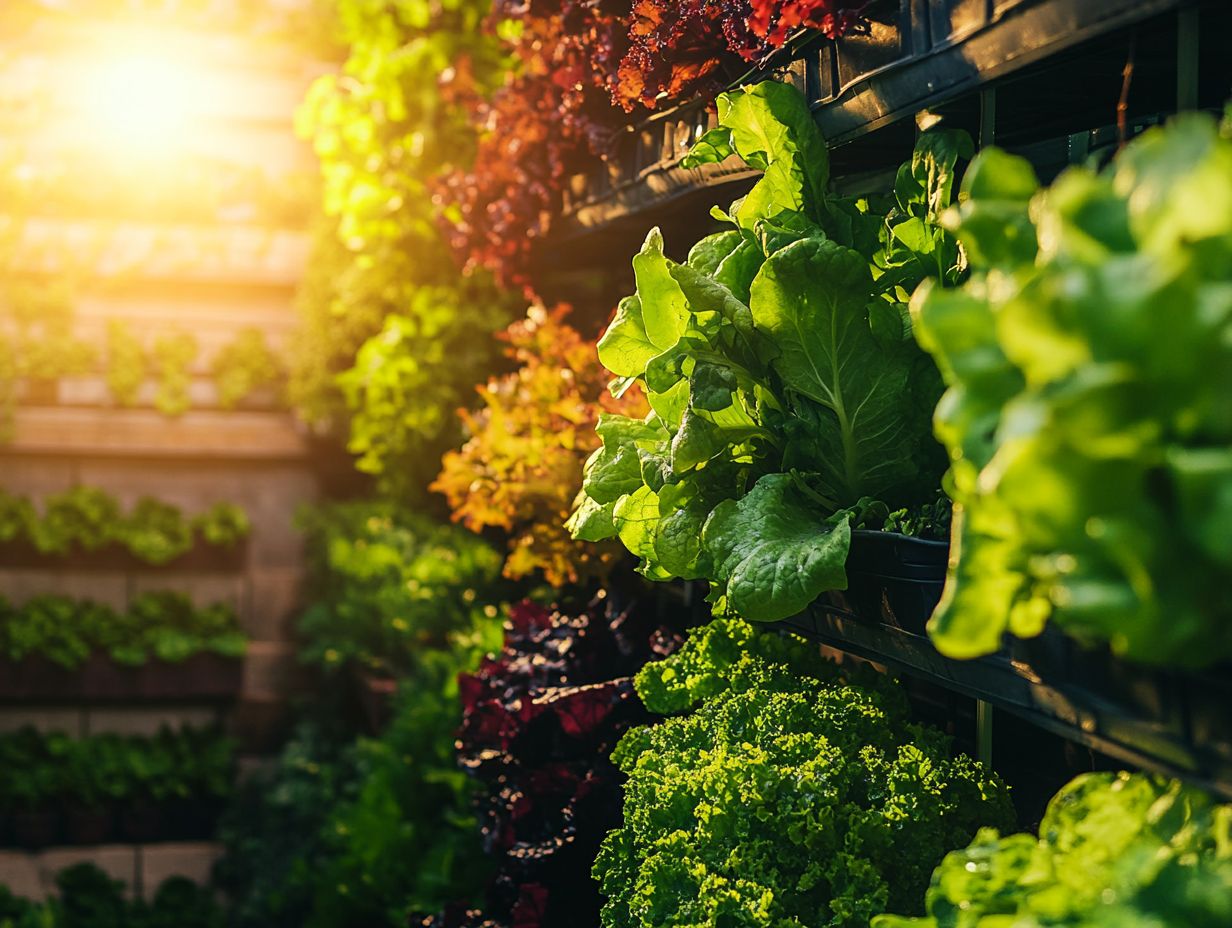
{"x": 90, "y": 519}
{"x": 393, "y": 335}
{"x": 173, "y": 358}
{"x": 786, "y": 799}
{"x": 83, "y": 517}
{"x": 389, "y": 588}
{"x": 88, "y": 898}
{"x": 245, "y": 365}
{"x": 99, "y": 769}
{"x": 156, "y": 532}
{"x": 163, "y": 625}
{"x": 223, "y": 525}
{"x": 789, "y": 399}
{"x": 17, "y": 517}
{"x": 126, "y": 363}
{"x": 407, "y": 840}
{"x": 37, "y": 343}
{"x": 275, "y": 833}
{"x": 1114, "y": 851}
{"x": 1089, "y": 366}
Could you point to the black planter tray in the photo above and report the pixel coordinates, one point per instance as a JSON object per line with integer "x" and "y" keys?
{"x": 201, "y": 556}
{"x": 201, "y": 678}
{"x": 134, "y": 821}
{"x": 916, "y": 54}
{"x": 1176, "y": 723}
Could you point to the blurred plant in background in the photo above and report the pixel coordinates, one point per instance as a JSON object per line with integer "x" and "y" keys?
{"x": 393, "y": 336}
{"x": 521, "y": 468}
{"x": 389, "y": 589}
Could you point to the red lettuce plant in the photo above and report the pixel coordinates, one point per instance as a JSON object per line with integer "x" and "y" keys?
{"x": 585, "y": 70}
{"x": 539, "y": 722}
{"x": 776, "y": 21}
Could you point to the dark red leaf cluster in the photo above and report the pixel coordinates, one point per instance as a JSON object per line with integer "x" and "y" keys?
{"x": 585, "y": 70}
{"x": 539, "y": 721}
{"x": 680, "y": 49}
{"x": 776, "y": 21}
{"x": 498, "y": 208}
{"x": 546, "y": 124}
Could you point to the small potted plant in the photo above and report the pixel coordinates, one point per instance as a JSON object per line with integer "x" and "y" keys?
{"x": 152, "y": 769}
{"x": 33, "y": 783}
{"x": 89, "y": 814}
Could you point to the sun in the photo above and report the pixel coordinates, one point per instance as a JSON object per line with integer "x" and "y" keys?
{"x": 142, "y": 101}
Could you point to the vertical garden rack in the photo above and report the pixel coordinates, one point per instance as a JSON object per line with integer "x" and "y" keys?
{"x": 1041, "y": 78}
{"x": 209, "y": 277}
{"x": 917, "y": 54}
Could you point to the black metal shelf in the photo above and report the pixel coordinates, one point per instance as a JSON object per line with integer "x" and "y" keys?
{"x": 921, "y": 54}
{"x": 1171, "y": 722}
{"x": 1041, "y": 78}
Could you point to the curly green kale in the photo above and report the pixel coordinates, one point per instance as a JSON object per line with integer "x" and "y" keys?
{"x": 732, "y": 654}
{"x": 1114, "y": 851}
{"x": 786, "y": 800}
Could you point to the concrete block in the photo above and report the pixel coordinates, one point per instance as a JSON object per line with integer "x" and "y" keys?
{"x": 107, "y": 587}
{"x": 71, "y": 721}
{"x": 276, "y": 494}
{"x": 274, "y": 602}
{"x": 197, "y": 434}
{"x": 160, "y": 862}
{"x": 261, "y": 727}
{"x": 146, "y": 721}
{"x": 37, "y": 476}
{"x": 19, "y": 871}
{"x": 118, "y": 861}
{"x": 271, "y": 670}
{"x": 191, "y": 485}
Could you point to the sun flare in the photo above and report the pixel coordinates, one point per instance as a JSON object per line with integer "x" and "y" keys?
{"x": 143, "y": 101}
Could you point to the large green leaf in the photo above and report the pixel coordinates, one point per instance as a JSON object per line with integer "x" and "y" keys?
{"x": 712, "y": 148}
{"x": 811, "y": 299}
{"x": 664, "y": 309}
{"x": 625, "y": 348}
{"x": 992, "y": 221}
{"x": 649, "y": 322}
{"x": 773, "y": 553}
{"x": 1087, "y": 417}
{"x": 773, "y": 130}
{"x": 615, "y": 470}
{"x": 591, "y": 520}
{"x": 706, "y": 256}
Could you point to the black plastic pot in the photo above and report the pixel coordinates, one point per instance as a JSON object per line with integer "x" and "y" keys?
{"x": 200, "y": 556}
{"x": 194, "y": 819}
{"x": 1139, "y": 692}
{"x": 885, "y": 40}
{"x": 86, "y": 824}
{"x": 201, "y": 677}
{"x": 35, "y": 828}
{"x": 143, "y": 820}
{"x": 1050, "y": 655}
{"x": 894, "y": 579}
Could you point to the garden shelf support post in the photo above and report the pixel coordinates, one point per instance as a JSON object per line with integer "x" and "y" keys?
{"x": 988, "y": 117}
{"x": 983, "y": 732}
{"x": 1187, "y": 44}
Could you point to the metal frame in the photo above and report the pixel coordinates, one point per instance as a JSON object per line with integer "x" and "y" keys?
{"x": 993, "y": 39}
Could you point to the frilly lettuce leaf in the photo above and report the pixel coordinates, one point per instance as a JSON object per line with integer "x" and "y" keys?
{"x": 1089, "y": 364}
{"x": 1121, "y": 850}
